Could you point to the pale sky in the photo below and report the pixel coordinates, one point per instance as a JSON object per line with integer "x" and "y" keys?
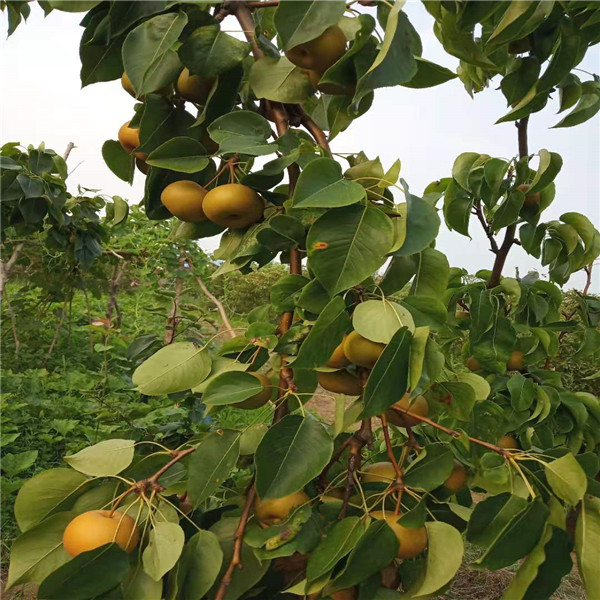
{"x": 42, "y": 100}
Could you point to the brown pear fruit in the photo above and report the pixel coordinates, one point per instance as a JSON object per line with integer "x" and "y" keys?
{"x": 508, "y": 442}
{"x": 338, "y": 359}
{"x": 361, "y": 351}
{"x": 340, "y": 382}
{"x": 194, "y": 88}
{"x": 531, "y": 199}
{"x": 515, "y": 361}
{"x": 412, "y": 541}
{"x": 379, "y": 472}
{"x": 184, "y": 200}
{"x": 322, "y": 52}
{"x": 260, "y": 398}
{"x": 275, "y": 510}
{"x": 473, "y": 364}
{"x": 233, "y": 205}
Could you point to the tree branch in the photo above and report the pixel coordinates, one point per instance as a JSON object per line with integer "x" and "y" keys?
{"x": 56, "y": 333}
{"x": 6, "y": 267}
{"x": 358, "y": 441}
{"x": 452, "y": 432}
{"x": 509, "y": 236}
{"x": 486, "y": 227}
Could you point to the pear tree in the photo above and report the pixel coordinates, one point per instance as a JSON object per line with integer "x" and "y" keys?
{"x": 233, "y": 137}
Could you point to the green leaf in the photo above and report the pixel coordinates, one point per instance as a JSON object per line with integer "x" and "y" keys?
{"x": 117, "y": 212}
{"x": 428, "y": 75}
{"x": 47, "y": 493}
{"x": 182, "y": 154}
{"x": 431, "y": 468}
{"x": 512, "y": 21}
{"x": 457, "y": 208}
{"x": 175, "y": 368}
{"x": 165, "y": 544}
{"x": 211, "y": 464}
{"x": 231, "y": 387}
{"x": 138, "y": 585}
{"x": 340, "y": 540}
{"x": 378, "y": 320}
{"x": 242, "y": 131}
{"x": 280, "y": 80}
{"x": 299, "y": 21}
{"x": 586, "y": 108}
{"x": 148, "y": 56}
{"x": 39, "y": 551}
{"x": 422, "y": 226}
{"x": 322, "y": 185}
{"x": 13, "y": 464}
{"x": 587, "y": 542}
{"x": 88, "y": 575}
{"x": 426, "y": 311}
{"x": 199, "y": 566}
{"x": 103, "y": 459}
{"x": 285, "y": 290}
{"x": 208, "y": 52}
{"x": 118, "y": 160}
{"x": 219, "y": 365}
{"x": 517, "y": 539}
{"x": 347, "y": 244}
{"x": 491, "y": 516}
{"x": 292, "y": 453}
{"x": 549, "y": 167}
{"x": 399, "y": 272}
{"x": 508, "y": 211}
{"x": 442, "y": 565}
{"x": 324, "y": 336}
{"x": 394, "y": 63}
{"x": 462, "y": 167}
{"x": 283, "y": 233}
{"x": 432, "y": 274}
{"x": 522, "y": 392}
{"x": 566, "y": 478}
{"x": 389, "y": 378}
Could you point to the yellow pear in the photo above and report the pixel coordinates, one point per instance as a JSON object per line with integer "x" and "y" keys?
{"x": 338, "y": 359}
{"x": 379, "y": 472}
{"x": 184, "y": 200}
{"x": 417, "y": 406}
{"x": 129, "y": 138}
{"x": 95, "y": 528}
{"x": 462, "y": 314}
{"x": 260, "y": 398}
{"x": 412, "y": 541}
{"x": 457, "y": 479}
{"x": 194, "y": 88}
{"x": 271, "y": 512}
{"x": 508, "y": 442}
{"x": 361, "y": 351}
{"x": 473, "y": 364}
{"x": 322, "y": 52}
{"x": 340, "y": 382}
{"x": 515, "y": 361}
{"x": 233, "y": 205}
{"x": 127, "y": 85}
{"x": 531, "y": 199}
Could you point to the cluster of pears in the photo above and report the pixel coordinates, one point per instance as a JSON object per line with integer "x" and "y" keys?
{"x": 189, "y": 87}
{"x": 231, "y": 205}
{"x": 317, "y": 55}
{"x": 515, "y": 362}
{"x": 95, "y": 528}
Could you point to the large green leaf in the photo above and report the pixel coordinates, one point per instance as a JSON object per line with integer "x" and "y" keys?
{"x": 441, "y": 564}
{"x": 394, "y": 63}
{"x": 103, "y": 459}
{"x": 378, "y": 320}
{"x": 340, "y": 540}
{"x": 46, "y": 493}
{"x": 211, "y": 464}
{"x": 199, "y": 565}
{"x": 432, "y": 274}
{"x": 175, "y": 368}
{"x": 148, "y": 56}
{"x": 389, "y": 378}
{"x": 88, "y": 575}
{"x": 549, "y": 167}
{"x": 322, "y": 185}
{"x": 242, "y": 131}
{"x": 587, "y": 545}
{"x": 292, "y": 453}
{"x": 375, "y": 550}
{"x": 231, "y": 387}
{"x": 299, "y": 21}
{"x": 279, "y": 80}
{"x": 428, "y": 74}
{"x": 431, "y": 468}
{"x": 208, "y": 52}
{"x": 324, "y": 336}
{"x": 73, "y": 5}
{"x": 164, "y": 547}
{"x": 182, "y": 154}
{"x": 422, "y": 224}
{"x": 347, "y": 244}
{"x": 566, "y": 478}
{"x": 39, "y": 551}
{"x": 138, "y": 585}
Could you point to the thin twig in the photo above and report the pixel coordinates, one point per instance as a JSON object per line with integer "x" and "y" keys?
{"x": 56, "y": 333}
{"x": 13, "y": 322}
{"x": 486, "y": 226}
